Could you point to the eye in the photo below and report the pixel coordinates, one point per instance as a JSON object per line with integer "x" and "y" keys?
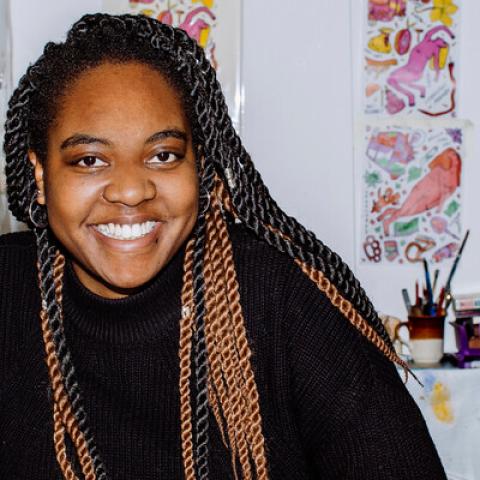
{"x": 163, "y": 158}
{"x": 90, "y": 161}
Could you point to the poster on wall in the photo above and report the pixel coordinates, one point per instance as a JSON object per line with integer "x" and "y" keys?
{"x": 411, "y": 57}
{"x": 411, "y": 190}
{"x": 214, "y": 24}
{"x": 5, "y": 90}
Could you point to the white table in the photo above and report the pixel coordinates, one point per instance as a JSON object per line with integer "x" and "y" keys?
{"x": 450, "y": 403}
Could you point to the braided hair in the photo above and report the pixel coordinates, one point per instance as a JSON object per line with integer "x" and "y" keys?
{"x": 216, "y": 372}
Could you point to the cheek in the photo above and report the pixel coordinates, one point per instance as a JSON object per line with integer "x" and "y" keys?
{"x": 69, "y": 202}
{"x": 181, "y": 195}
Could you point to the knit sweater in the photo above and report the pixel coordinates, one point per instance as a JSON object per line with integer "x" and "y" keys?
{"x": 333, "y": 407}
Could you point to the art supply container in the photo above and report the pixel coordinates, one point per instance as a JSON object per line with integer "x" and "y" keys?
{"x": 426, "y": 334}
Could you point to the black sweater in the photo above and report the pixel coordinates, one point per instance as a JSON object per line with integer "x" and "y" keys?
{"x": 332, "y": 406}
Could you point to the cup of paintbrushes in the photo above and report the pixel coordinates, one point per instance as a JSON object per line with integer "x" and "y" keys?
{"x": 426, "y": 335}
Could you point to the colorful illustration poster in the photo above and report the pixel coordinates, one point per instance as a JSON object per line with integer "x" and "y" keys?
{"x": 411, "y": 190}
{"x": 214, "y": 24}
{"x": 411, "y": 57}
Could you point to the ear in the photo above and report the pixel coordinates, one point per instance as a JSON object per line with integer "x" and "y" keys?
{"x": 38, "y": 172}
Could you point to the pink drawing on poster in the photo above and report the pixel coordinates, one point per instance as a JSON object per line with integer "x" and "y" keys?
{"x": 194, "y": 25}
{"x": 431, "y": 191}
{"x": 386, "y": 10}
{"x": 410, "y": 52}
{"x": 404, "y": 79}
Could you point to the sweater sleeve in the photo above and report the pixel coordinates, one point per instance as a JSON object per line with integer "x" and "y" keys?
{"x": 355, "y": 417}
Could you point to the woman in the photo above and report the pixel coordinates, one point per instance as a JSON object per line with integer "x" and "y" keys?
{"x": 191, "y": 329}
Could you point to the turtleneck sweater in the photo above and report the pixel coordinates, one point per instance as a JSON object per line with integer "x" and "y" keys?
{"x": 333, "y": 407}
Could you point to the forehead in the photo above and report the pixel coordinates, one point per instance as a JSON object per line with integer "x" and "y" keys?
{"x": 127, "y": 96}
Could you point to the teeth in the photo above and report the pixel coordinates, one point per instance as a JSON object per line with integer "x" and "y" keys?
{"x": 125, "y": 232}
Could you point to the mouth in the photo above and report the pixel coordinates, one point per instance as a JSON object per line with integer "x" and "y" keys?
{"x": 126, "y": 231}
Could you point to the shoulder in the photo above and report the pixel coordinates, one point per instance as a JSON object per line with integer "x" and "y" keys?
{"x": 17, "y": 240}
{"x": 260, "y": 260}
{"x": 273, "y": 287}
{"x": 18, "y": 298}
{"x": 17, "y": 272}
{"x": 17, "y": 268}
{"x": 17, "y": 251}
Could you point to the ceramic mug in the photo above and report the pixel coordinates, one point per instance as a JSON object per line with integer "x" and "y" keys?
{"x": 426, "y": 338}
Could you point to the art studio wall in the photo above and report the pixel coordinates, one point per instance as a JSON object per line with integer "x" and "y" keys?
{"x": 301, "y": 71}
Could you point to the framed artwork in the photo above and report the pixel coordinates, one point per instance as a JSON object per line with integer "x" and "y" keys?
{"x": 214, "y": 24}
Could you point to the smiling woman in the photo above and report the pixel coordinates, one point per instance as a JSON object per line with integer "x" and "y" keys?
{"x": 188, "y": 327}
{"x": 121, "y": 196}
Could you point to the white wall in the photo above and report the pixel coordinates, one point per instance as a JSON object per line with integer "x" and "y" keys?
{"x": 298, "y": 115}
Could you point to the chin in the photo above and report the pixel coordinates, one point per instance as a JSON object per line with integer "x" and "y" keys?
{"x": 129, "y": 280}
{"x": 130, "y": 283}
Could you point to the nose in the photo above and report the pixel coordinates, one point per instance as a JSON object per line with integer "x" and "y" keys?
{"x": 130, "y": 186}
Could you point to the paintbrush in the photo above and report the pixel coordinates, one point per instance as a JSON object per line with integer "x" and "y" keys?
{"x": 454, "y": 269}
{"x": 429, "y": 288}
{"x": 435, "y": 279}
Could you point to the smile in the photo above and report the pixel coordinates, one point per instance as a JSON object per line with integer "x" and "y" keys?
{"x": 125, "y": 231}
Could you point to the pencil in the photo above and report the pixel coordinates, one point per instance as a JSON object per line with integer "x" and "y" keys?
{"x": 454, "y": 268}
{"x": 455, "y": 263}
{"x": 429, "y": 286}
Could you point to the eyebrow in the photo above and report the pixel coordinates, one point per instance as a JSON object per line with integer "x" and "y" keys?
{"x": 82, "y": 139}
{"x": 85, "y": 139}
{"x": 173, "y": 132}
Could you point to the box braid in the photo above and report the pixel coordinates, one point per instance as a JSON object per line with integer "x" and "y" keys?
{"x": 214, "y": 354}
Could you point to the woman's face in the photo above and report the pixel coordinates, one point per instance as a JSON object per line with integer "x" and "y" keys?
{"x": 120, "y": 180}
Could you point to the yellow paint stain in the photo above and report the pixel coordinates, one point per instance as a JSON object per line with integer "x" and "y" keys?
{"x": 440, "y": 402}
{"x": 206, "y": 3}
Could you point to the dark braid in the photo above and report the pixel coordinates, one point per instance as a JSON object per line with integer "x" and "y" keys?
{"x": 100, "y": 38}
{"x": 200, "y": 353}
{"x": 46, "y": 257}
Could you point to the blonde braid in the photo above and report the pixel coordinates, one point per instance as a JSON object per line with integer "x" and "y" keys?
{"x": 60, "y": 449}
{"x": 232, "y": 367}
{"x": 185, "y": 349}
{"x": 211, "y": 276}
{"x": 245, "y": 354}
{"x": 62, "y": 411}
